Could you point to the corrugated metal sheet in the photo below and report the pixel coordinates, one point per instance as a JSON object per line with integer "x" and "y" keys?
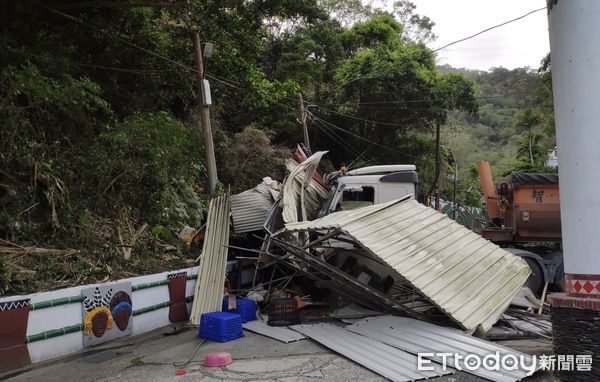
{"x": 383, "y": 359}
{"x": 250, "y": 208}
{"x": 469, "y": 278}
{"x": 279, "y": 333}
{"x": 292, "y": 189}
{"x": 416, "y": 337}
{"x": 211, "y": 275}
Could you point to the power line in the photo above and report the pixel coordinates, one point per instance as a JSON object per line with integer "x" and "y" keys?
{"x": 329, "y": 133}
{"x": 311, "y": 115}
{"x": 381, "y": 70}
{"x": 480, "y": 108}
{"x": 123, "y": 40}
{"x": 362, "y": 119}
{"x": 148, "y": 51}
{"x": 102, "y": 67}
{"x": 335, "y": 137}
{"x": 414, "y": 101}
{"x": 489, "y": 29}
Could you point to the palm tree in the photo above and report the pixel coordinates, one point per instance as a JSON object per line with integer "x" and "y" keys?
{"x": 526, "y": 119}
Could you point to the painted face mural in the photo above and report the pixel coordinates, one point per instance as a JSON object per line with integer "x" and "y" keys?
{"x": 108, "y": 312}
{"x": 98, "y": 318}
{"x": 120, "y": 307}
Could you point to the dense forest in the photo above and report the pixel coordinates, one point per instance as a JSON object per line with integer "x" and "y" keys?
{"x": 99, "y": 118}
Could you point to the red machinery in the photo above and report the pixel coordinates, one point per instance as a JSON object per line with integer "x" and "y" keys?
{"x": 524, "y": 216}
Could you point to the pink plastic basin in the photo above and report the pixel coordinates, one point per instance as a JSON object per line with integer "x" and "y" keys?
{"x": 216, "y": 359}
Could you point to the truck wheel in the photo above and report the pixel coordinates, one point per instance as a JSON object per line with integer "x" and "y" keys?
{"x": 535, "y": 282}
{"x": 559, "y": 278}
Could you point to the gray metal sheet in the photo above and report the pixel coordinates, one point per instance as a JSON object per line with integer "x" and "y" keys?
{"x": 469, "y": 278}
{"x": 416, "y": 337}
{"x": 353, "y": 311}
{"x": 383, "y": 359}
{"x": 249, "y": 209}
{"x": 280, "y": 333}
{"x": 208, "y": 295}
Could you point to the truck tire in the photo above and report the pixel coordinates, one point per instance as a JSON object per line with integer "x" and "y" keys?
{"x": 536, "y": 281}
{"x": 539, "y": 271}
{"x": 559, "y": 278}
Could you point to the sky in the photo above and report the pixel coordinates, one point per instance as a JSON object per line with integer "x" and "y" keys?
{"x": 518, "y": 44}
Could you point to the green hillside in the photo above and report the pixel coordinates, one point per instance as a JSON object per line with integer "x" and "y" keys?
{"x": 507, "y": 99}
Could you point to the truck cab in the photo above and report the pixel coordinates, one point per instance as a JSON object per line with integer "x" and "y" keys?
{"x": 370, "y": 185}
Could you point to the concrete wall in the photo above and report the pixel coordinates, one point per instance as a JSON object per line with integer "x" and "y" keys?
{"x": 56, "y": 317}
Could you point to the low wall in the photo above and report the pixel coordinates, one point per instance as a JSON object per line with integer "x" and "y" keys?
{"x": 42, "y": 326}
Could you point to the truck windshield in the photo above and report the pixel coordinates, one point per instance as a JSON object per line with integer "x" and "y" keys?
{"x": 358, "y": 197}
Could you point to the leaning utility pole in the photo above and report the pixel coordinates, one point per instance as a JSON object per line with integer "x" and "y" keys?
{"x": 204, "y": 91}
{"x": 303, "y": 120}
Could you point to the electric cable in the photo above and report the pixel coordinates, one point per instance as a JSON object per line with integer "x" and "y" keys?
{"x": 489, "y": 29}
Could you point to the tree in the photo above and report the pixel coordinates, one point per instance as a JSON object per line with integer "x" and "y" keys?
{"x": 544, "y": 97}
{"x": 528, "y": 120}
{"x": 389, "y": 91}
{"x": 417, "y": 28}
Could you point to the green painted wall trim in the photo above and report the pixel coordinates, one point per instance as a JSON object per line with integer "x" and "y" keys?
{"x": 54, "y": 333}
{"x": 56, "y": 302}
{"x": 149, "y": 285}
{"x": 151, "y": 308}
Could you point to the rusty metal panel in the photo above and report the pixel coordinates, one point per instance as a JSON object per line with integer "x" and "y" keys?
{"x": 467, "y": 277}
{"x": 417, "y": 337}
{"x": 208, "y": 296}
{"x": 385, "y": 360}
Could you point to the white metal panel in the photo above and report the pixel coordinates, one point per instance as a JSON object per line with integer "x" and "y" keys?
{"x": 469, "y": 278}
{"x": 213, "y": 261}
{"x": 292, "y": 189}
{"x": 382, "y": 169}
{"x": 416, "y": 337}
{"x": 280, "y": 333}
{"x": 385, "y": 360}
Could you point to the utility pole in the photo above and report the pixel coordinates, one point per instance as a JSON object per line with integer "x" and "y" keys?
{"x": 303, "y": 120}
{"x": 438, "y": 166}
{"x": 204, "y": 91}
{"x": 452, "y": 162}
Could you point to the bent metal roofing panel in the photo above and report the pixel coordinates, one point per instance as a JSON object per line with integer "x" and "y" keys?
{"x": 469, "y": 278}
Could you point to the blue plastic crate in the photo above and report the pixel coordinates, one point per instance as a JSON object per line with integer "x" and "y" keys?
{"x": 244, "y": 307}
{"x": 220, "y": 326}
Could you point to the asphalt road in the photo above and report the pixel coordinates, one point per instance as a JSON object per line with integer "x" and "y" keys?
{"x": 154, "y": 357}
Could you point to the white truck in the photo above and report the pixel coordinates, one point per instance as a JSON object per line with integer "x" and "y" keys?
{"x": 370, "y": 185}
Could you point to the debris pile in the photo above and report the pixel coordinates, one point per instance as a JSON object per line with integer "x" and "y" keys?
{"x": 406, "y": 278}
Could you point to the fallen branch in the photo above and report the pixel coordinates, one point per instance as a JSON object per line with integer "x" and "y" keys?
{"x": 37, "y": 251}
{"x": 12, "y": 244}
{"x": 127, "y": 249}
{"x": 113, "y": 182}
{"x": 22, "y": 269}
{"x": 120, "y": 238}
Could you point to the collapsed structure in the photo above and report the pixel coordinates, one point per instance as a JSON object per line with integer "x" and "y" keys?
{"x": 467, "y": 277}
{"x": 394, "y": 257}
